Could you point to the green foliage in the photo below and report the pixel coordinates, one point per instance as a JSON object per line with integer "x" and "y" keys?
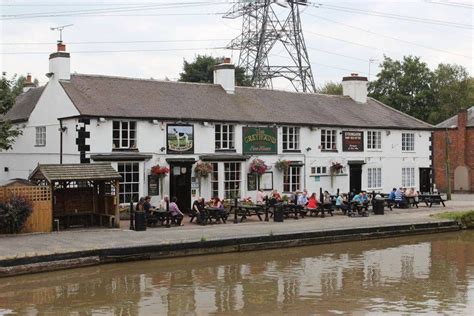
{"x": 9, "y": 90}
{"x": 331, "y": 88}
{"x": 202, "y": 70}
{"x": 432, "y": 96}
{"x": 14, "y": 213}
{"x": 465, "y": 218}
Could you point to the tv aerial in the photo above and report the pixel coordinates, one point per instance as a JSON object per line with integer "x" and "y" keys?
{"x": 60, "y": 29}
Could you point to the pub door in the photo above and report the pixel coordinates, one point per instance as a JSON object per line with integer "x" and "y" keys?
{"x": 180, "y": 184}
{"x": 355, "y": 177}
{"x": 425, "y": 180}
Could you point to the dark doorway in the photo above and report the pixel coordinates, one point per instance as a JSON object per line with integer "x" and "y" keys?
{"x": 180, "y": 184}
{"x": 355, "y": 177}
{"x": 425, "y": 180}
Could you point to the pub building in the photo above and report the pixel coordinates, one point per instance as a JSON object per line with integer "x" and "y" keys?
{"x": 154, "y": 133}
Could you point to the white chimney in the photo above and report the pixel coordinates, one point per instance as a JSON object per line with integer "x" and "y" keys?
{"x": 59, "y": 64}
{"x": 28, "y": 84}
{"x": 224, "y": 74}
{"x": 355, "y": 87}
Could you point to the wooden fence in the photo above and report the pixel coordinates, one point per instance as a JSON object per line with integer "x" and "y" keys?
{"x": 41, "y": 219}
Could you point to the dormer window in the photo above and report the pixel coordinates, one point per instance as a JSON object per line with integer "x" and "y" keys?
{"x": 124, "y": 134}
{"x": 224, "y": 136}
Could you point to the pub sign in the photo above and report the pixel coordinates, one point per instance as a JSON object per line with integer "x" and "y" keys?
{"x": 352, "y": 141}
{"x": 259, "y": 140}
{"x": 180, "y": 139}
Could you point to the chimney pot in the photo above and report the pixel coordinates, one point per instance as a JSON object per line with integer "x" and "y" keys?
{"x": 28, "y": 78}
{"x": 61, "y": 47}
{"x": 354, "y": 74}
{"x": 227, "y": 60}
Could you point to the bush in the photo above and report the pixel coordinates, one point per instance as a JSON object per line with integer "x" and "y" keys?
{"x": 14, "y": 213}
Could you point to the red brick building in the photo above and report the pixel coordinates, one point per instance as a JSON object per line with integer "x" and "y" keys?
{"x": 455, "y": 137}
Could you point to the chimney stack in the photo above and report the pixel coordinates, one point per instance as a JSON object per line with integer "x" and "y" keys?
{"x": 355, "y": 87}
{"x": 59, "y": 64}
{"x": 28, "y": 84}
{"x": 224, "y": 74}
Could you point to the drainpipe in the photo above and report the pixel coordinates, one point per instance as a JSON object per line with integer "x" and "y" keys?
{"x": 61, "y": 131}
{"x": 447, "y": 162}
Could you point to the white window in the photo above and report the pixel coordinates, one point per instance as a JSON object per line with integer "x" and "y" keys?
{"x": 130, "y": 181}
{"x": 124, "y": 134}
{"x": 215, "y": 180}
{"x": 408, "y": 177}
{"x": 328, "y": 139}
{"x": 408, "y": 142}
{"x": 374, "y": 140}
{"x": 319, "y": 170}
{"x": 292, "y": 179}
{"x": 224, "y": 136}
{"x": 291, "y": 138}
{"x": 232, "y": 180}
{"x": 374, "y": 178}
{"x": 41, "y": 136}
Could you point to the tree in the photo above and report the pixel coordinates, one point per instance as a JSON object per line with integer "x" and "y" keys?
{"x": 331, "y": 88}
{"x": 202, "y": 70}
{"x": 9, "y": 90}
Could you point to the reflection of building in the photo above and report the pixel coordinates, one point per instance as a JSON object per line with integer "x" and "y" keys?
{"x": 455, "y": 136}
{"x": 137, "y": 124}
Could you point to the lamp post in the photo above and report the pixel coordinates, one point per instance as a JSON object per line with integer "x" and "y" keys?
{"x": 447, "y": 162}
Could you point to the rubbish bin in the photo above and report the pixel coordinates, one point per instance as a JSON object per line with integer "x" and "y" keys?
{"x": 278, "y": 214}
{"x": 379, "y": 206}
{"x": 140, "y": 221}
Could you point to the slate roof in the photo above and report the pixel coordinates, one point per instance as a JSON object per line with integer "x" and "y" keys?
{"x": 24, "y": 105}
{"x": 104, "y": 96}
{"x": 74, "y": 172}
{"x": 453, "y": 121}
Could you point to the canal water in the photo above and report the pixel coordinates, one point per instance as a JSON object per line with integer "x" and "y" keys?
{"x": 432, "y": 274}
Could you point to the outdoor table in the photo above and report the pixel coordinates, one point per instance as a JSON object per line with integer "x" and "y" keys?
{"x": 249, "y": 210}
{"x": 431, "y": 199}
{"x": 161, "y": 216}
{"x": 292, "y": 209}
{"x": 412, "y": 201}
{"x": 215, "y": 213}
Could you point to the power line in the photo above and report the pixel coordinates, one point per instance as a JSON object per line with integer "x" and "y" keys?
{"x": 116, "y": 51}
{"x": 388, "y": 36}
{"x": 85, "y": 4}
{"x": 120, "y": 42}
{"x": 391, "y": 16}
{"x": 452, "y": 4}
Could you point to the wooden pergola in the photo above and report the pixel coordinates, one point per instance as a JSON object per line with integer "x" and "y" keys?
{"x": 84, "y": 193}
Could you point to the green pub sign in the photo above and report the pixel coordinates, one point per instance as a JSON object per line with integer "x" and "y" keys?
{"x": 260, "y": 140}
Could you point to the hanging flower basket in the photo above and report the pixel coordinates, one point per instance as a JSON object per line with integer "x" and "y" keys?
{"x": 282, "y": 165}
{"x": 203, "y": 169}
{"x": 336, "y": 167}
{"x": 258, "y": 166}
{"x": 160, "y": 172}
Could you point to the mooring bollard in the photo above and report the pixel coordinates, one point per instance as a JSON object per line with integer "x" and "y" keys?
{"x": 132, "y": 225}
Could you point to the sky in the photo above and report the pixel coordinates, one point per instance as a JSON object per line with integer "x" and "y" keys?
{"x": 152, "y": 38}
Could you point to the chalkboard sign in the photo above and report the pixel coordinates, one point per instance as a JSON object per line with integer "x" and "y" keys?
{"x": 352, "y": 141}
{"x": 251, "y": 182}
{"x": 153, "y": 185}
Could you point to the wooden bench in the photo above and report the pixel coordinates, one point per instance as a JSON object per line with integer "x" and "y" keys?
{"x": 431, "y": 199}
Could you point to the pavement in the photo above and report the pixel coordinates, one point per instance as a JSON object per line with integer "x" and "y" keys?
{"x": 32, "y": 245}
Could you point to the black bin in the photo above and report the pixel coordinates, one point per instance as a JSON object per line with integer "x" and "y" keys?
{"x": 278, "y": 214}
{"x": 140, "y": 221}
{"x": 379, "y": 207}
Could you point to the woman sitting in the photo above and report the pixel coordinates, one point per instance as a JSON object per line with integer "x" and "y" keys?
{"x": 175, "y": 212}
{"x": 217, "y": 203}
{"x": 312, "y": 205}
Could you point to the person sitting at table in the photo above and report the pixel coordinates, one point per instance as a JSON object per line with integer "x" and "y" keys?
{"x": 341, "y": 203}
{"x": 148, "y": 209}
{"x": 302, "y": 199}
{"x": 175, "y": 212}
{"x": 326, "y": 198}
{"x": 217, "y": 203}
{"x": 275, "y": 195}
{"x": 312, "y": 202}
{"x": 391, "y": 195}
{"x": 199, "y": 210}
{"x": 400, "y": 198}
{"x": 410, "y": 192}
{"x": 260, "y": 197}
{"x": 139, "y": 206}
{"x": 163, "y": 202}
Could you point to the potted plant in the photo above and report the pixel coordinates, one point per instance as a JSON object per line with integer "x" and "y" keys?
{"x": 334, "y": 169}
{"x": 282, "y": 165}
{"x": 160, "y": 173}
{"x": 202, "y": 170}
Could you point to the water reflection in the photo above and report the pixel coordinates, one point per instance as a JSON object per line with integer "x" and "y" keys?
{"x": 418, "y": 274}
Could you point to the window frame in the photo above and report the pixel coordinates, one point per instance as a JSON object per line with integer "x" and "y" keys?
{"x": 406, "y": 137}
{"x": 332, "y": 140}
{"x": 215, "y": 179}
{"x": 292, "y": 145}
{"x": 374, "y": 174}
{"x": 377, "y": 141}
{"x": 319, "y": 170}
{"x": 219, "y": 138}
{"x": 408, "y": 177}
{"x": 232, "y": 185}
{"x": 292, "y": 179}
{"x": 124, "y": 181}
{"x": 131, "y": 141}
{"x": 40, "y": 136}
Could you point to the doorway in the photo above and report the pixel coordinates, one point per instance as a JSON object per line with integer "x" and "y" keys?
{"x": 355, "y": 177}
{"x": 425, "y": 180}
{"x": 180, "y": 184}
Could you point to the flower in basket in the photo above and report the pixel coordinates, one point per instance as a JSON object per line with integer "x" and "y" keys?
{"x": 258, "y": 166}
{"x": 203, "y": 169}
{"x": 282, "y": 165}
{"x": 336, "y": 167}
{"x": 159, "y": 171}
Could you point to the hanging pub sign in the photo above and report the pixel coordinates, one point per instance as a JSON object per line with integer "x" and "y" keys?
{"x": 180, "y": 139}
{"x": 352, "y": 141}
{"x": 259, "y": 140}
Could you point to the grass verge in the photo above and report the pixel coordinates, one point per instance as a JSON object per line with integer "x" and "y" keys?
{"x": 466, "y": 218}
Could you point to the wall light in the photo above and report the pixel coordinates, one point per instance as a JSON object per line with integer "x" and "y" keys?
{"x": 387, "y": 133}
{"x": 162, "y": 149}
{"x": 102, "y": 119}
{"x": 308, "y": 149}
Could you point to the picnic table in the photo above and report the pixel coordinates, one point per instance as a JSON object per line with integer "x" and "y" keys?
{"x": 215, "y": 213}
{"x": 247, "y": 210}
{"x": 430, "y": 199}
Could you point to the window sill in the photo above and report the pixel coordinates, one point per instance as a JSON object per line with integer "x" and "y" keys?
{"x": 225, "y": 150}
{"x": 375, "y": 150}
{"x": 291, "y": 151}
{"x": 40, "y": 145}
{"x": 329, "y": 150}
{"x": 408, "y": 151}
{"x": 125, "y": 149}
